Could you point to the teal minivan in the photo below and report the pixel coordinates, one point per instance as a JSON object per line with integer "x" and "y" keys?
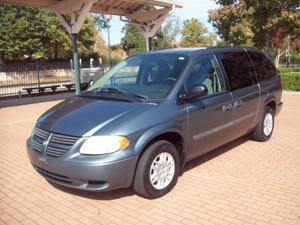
{"x": 143, "y": 120}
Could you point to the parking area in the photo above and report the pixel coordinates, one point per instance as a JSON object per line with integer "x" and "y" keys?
{"x": 244, "y": 182}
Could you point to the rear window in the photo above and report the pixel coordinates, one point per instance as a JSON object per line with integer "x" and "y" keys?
{"x": 238, "y": 68}
{"x": 263, "y": 67}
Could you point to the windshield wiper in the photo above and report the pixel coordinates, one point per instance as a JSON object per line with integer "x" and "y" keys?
{"x": 120, "y": 91}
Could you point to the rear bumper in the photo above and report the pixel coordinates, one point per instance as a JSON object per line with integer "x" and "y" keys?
{"x": 278, "y": 108}
{"x": 89, "y": 173}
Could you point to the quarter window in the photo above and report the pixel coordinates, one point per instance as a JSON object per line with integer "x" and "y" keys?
{"x": 238, "y": 68}
{"x": 207, "y": 72}
{"x": 263, "y": 67}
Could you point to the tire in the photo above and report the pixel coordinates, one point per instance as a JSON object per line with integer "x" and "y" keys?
{"x": 153, "y": 157}
{"x": 261, "y": 132}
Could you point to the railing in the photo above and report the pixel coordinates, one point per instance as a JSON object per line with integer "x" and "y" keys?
{"x": 32, "y": 78}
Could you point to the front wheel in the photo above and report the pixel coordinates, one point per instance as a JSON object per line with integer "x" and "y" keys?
{"x": 264, "y": 128}
{"x": 157, "y": 170}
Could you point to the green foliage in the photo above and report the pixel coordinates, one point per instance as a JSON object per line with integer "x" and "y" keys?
{"x": 194, "y": 33}
{"x": 36, "y": 33}
{"x": 87, "y": 37}
{"x": 101, "y": 21}
{"x": 289, "y": 69}
{"x": 159, "y": 41}
{"x": 267, "y": 24}
{"x": 291, "y": 81}
{"x": 115, "y": 60}
{"x": 134, "y": 41}
{"x": 290, "y": 77}
{"x": 232, "y": 22}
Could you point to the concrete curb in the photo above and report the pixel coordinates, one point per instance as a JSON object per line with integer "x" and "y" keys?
{"x": 36, "y": 99}
{"x": 291, "y": 92}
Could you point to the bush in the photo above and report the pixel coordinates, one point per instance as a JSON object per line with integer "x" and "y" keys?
{"x": 115, "y": 60}
{"x": 291, "y": 81}
{"x": 289, "y": 69}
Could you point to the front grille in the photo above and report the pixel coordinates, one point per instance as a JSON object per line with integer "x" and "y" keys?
{"x": 63, "y": 139}
{"x": 53, "y": 176}
{"x": 39, "y": 137}
{"x": 58, "y": 144}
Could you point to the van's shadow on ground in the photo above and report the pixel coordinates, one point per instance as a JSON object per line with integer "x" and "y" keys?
{"x": 120, "y": 193}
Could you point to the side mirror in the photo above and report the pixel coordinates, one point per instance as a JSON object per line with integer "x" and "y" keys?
{"x": 194, "y": 92}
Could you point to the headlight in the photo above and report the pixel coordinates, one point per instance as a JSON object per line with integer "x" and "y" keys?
{"x": 98, "y": 145}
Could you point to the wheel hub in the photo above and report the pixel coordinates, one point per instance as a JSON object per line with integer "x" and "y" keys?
{"x": 268, "y": 124}
{"x": 162, "y": 170}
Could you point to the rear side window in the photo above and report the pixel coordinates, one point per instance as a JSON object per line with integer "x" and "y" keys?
{"x": 238, "y": 68}
{"x": 263, "y": 67}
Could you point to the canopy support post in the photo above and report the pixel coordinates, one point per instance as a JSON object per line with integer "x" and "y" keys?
{"x": 149, "y": 22}
{"x": 76, "y": 62}
{"x": 73, "y": 27}
{"x": 148, "y": 44}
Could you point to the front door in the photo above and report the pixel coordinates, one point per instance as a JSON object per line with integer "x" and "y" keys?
{"x": 209, "y": 117}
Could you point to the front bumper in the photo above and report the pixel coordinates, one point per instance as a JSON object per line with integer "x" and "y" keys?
{"x": 91, "y": 173}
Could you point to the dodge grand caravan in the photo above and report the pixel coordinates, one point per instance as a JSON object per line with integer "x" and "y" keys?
{"x": 143, "y": 120}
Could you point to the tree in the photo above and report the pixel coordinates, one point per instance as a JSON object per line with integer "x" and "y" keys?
{"x": 100, "y": 21}
{"x": 134, "y": 41}
{"x": 87, "y": 37}
{"x": 30, "y": 33}
{"x": 266, "y": 24}
{"x": 171, "y": 28}
{"x": 232, "y": 21}
{"x": 194, "y": 33}
{"x": 159, "y": 41}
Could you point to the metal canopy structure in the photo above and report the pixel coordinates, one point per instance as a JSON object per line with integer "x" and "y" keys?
{"x": 72, "y": 14}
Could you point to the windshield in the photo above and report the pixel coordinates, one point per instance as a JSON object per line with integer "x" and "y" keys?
{"x": 152, "y": 76}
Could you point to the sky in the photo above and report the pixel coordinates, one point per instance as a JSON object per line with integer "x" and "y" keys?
{"x": 192, "y": 8}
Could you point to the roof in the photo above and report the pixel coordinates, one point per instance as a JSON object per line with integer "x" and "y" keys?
{"x": 195, "y": 50}
{"x": 113, "y": 7}
{"x": 182, "y": 51}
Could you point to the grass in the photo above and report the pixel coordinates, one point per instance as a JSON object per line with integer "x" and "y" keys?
{"x": 290, "y": 69}
{"x": 291, "y": 78}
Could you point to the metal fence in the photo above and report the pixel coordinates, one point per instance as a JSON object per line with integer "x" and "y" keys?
{"x": 292, "y": 62}
{"x": 31, "y": 78}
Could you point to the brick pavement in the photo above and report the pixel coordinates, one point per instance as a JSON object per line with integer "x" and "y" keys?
{"x": 244, "y": 182}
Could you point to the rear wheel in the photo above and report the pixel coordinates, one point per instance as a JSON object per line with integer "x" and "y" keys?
{"x": 157, "y": 170}
{"x": 264, "y": 128}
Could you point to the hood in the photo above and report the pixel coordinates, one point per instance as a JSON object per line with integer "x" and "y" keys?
{"x": 80, "y": 116}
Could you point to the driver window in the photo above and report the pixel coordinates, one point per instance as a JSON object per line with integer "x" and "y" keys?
{"x": 207, "y": 72}
{"x": 156, "y": 72}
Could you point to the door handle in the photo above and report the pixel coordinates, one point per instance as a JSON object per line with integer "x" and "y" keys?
{"x": 227, "y": 107}
{"x": 237, "y": 104}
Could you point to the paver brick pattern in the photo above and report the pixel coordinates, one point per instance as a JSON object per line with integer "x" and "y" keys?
{"x": 243, "y": 182}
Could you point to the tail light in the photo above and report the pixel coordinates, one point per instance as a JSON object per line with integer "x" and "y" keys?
{"x": 281, "y": 84}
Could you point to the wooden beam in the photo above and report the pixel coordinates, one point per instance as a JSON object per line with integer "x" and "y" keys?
{"x": 73, "y": 4}
{"x": 32, "y": 3}
{"x": 147, "y": 16}
{"x": 82, "y": 15}
{"x": 64, "y": 22}
{"x": 109, "y": 11}
{"x": 164, "y": 3}
{"x": 77, "y": 18}
{"x": 68, "y": 6}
